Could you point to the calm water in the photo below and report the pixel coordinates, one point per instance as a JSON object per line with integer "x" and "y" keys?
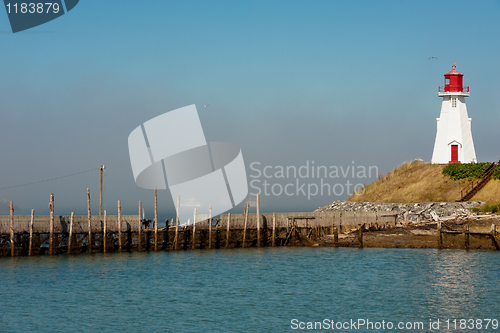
{"x": 246, "y": 290}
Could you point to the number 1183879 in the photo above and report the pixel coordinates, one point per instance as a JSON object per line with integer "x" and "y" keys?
{"x": 33, "y": 8}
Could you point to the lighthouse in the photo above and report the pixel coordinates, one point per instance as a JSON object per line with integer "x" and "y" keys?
{"x": 454, "y": 137}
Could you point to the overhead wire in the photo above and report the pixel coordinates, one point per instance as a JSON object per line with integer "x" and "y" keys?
{"x": 48, "y": 180}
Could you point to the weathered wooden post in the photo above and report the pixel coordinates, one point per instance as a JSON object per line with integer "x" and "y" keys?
{"x": 336, "y": 236}
{"x": 51, "y": 237}
{"x": 12, "y": 248}
{"x": 493, "y": 233}
{"x": 119, "y": 226}
{"x": 466, "y": 236}
{"x": 194, "y": 229}
{"x": 105, "y": 233}
{"x": 89, "y": 216}
{"x": 245, "y": 226}
{"x": 30, "y": 248}
{"x": 156, "y": 220}
{"x": 101, "y": 169}
{"x": 342, "y": 220}
{"x": 274, "y": 230}
{"x": 139, "y": 227}
{"x": 440, "y": 236}
{"x": 360, "y": 236}
{"x": 258, "y": 220}
{"x": 176, "y": 240}
{"x": 210, "y": 227}
{"x": 227, "y": 230}
{"x": 70, "y": 237}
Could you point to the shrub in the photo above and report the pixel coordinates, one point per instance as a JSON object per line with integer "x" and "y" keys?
{"x": 467, "y": 170}
{"x": 487, "y": 209}
{"x": 496, "y": 173}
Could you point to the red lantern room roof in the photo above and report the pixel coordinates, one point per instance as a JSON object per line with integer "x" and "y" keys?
{"x": 453, "y": 71}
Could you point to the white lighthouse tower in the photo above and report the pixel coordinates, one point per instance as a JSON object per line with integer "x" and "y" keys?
{"x": 454, "y": 137}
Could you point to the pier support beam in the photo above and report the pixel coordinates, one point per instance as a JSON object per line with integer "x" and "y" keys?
{"x": 51, "y": 236}
{"x": 12, "y": 248}
{"x": 440, "y": 235}
{"x": 360, "y": 236}
{"x": 30, "y": 248}
{"x": 194, "y": 229}
{"x": 120, "y": 248}
{"x": 258, "y": 220}
{"x": 156, "y": 220}
{"x": 227, "y": 230}
{"x": 89, "y": 215}
{"x": 466, "y": 236}
{"x": 176, "y": 239}
{"x": 274, "y": 230}
{"x": 139, "y": 227}
{"x": 245, "y": 226}
{"x": 210, "y": 227}
{"x": 105, "y": 234}
{"x": 70, "y": 237}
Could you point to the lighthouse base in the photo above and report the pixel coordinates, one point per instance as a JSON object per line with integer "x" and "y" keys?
{"x": 454, "y": 137}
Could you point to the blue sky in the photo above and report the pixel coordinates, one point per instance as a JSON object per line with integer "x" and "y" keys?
{"x": 288, "y": 81}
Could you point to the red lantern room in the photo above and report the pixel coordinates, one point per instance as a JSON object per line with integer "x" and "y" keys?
{"x": 453, "y": 81}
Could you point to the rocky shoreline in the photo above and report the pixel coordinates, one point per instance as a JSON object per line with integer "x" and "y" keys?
{"x": 423, "y": 211}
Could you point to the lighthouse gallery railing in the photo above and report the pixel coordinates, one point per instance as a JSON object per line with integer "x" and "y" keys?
{"x": 454, "y": 88}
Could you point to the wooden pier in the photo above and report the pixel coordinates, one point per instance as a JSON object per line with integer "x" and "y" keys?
{"x": 54, "y": 234}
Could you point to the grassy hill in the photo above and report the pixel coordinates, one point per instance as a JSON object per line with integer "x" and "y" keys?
{"x": 423, "y": 182}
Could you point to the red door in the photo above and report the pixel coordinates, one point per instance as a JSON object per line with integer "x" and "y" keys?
{"x": 454, "y": 154}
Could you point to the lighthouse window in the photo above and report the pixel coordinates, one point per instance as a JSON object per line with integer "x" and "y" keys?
{"x": 447, "y": 80}
{"x": 454, "y": 102}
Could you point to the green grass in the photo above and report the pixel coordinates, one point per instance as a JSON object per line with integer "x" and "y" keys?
{"x": 487, "y": 209}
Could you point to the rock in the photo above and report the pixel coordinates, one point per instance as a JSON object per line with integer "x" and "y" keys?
{"x": 426, "y": 210}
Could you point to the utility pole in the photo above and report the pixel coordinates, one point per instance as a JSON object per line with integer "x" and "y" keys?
{"x": 101, "y": 170}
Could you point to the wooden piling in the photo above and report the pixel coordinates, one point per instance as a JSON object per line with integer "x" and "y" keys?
{"x": 227, "y": 230}
{"x": 245, "y": 226}
{"x": 440, "y": 236}
{"x": 156, "y": 220}
{"x": 70, "y": 237}
{"x": 360, "y": 236}
{"x": 51, "y": 237}
{"x": 210, "y": 227}
{"x": 89, "y": 221}
{"x": 274, "y": 230}
{"x": 336, "y": 236}
{"x": 493, "y": 239}
{"x": 139, "y": 227}
{"x": 119, "y": 226}
{"x": 30, "y": 248}
{"x": 194, "y": 229}
{"x": 12, "y": 248}
{"x": 176, "y": 240}
{"x": 104, "y": 233}
{"x": 258, "y": 220}
{"x": 466, "y": 236}
{"x": 101, "y": 169}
